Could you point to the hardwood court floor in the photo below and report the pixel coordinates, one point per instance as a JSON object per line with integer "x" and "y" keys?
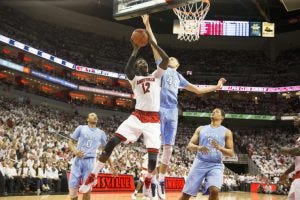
{"x": 170, "y": 196}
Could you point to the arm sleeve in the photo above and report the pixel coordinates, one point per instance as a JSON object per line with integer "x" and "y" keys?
{"x": 75, "y": 135}
{"x": 183, "y": 82}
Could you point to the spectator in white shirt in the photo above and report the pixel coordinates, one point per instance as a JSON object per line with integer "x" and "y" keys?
{"x": 53, "y": 177}
{"x": 23, "y": 177}
{"x": 34, "y": 178}
{"x": 30, "y": 161}
{"x": 42, "y": 173}
{"x": 10, "y": 173}
{"x": 2, "y": 177}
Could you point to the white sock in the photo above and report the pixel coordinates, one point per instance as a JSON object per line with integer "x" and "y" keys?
{"x": 135, "y": 192}
{"x": 154, "y": 180}
{"x": 161, "y": 177}
{"x": 98, "y": 167}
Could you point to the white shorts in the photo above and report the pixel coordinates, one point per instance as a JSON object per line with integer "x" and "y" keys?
{"x": 132, "y": 128}
{"x": 294, "y": 193}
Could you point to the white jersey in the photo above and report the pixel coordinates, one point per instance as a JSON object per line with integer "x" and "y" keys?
{"x": 146, "y": 90}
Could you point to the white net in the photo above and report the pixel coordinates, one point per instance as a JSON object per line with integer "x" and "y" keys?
{"x": 190, "y": 18}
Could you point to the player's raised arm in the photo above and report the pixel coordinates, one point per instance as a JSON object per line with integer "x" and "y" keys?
{"x": 193, "y": 88}
{"x": 164, "y": 56}
{"x": 146, "y": 22}
{"x": 130, "y": 66}
{"x": 194, "y": 143}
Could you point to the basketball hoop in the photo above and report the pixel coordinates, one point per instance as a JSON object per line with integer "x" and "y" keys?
{"x": 190, "y": 17}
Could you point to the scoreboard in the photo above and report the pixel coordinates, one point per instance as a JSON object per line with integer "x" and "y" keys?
{"x": 226, "y": 28}
{"x": 231, "y": 28}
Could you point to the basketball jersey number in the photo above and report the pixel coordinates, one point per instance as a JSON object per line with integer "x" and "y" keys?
{"x": 170, "y": 80}
{"x": 89, "y": 143}
{"x": 146, "y": 87}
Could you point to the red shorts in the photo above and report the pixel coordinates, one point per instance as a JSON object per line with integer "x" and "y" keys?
{"x": 142, "y": 123}
{"x": 147, "y": 117}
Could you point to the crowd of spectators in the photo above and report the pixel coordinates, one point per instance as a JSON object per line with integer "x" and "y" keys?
{"x": 91, "y": 50}
{"x": 262, "y": 146}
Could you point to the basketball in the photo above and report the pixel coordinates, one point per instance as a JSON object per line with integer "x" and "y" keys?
{"x": 140, "y": 37}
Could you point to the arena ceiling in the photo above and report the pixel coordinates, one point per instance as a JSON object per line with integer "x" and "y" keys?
{"x": 162, "y": 22}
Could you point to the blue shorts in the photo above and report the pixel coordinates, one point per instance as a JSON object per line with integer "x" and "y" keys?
{"x": 168, "y": 125}
{"x": 81, "y": 168}
{"x": 212, "y": 173}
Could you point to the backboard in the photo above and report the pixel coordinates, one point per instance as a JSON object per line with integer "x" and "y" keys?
{"x": 126, "y": 9}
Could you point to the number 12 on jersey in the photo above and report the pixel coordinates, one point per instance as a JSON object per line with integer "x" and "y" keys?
{"x": 146, "y": 87}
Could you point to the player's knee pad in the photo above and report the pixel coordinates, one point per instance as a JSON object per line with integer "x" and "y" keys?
{"x": 73, "y": 193}
{"x": 152, "y": 161}
{"x": 166, "y": 155}
{"x": 112, "y": 143}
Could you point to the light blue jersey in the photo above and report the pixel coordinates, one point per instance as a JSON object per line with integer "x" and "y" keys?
{"x": 170, "y": 83}
{"x": 89, "y": 140}
{"x": 207, "y": 167}
{"x": 206, "y": 135}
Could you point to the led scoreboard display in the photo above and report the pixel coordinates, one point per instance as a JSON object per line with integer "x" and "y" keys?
{"x": 225, "y": 28}
{"x": 232, "y": 28}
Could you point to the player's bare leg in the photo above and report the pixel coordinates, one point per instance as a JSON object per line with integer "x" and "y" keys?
{"x": 213, "y": 193}
{"x": 185, "y": 196}
{"x": 73, "y": 192}
{"x": 138, "y": 187}
{"x": 166, "y": 156}
{"x": 86, "y": 196}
